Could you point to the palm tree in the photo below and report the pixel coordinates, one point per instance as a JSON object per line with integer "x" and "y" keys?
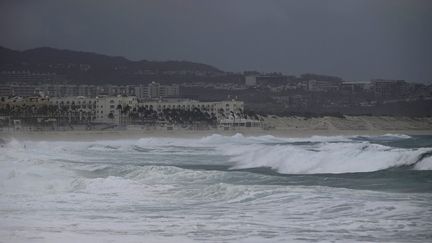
{"x": 111, "y": 116}
{"x": 119, "y": 110}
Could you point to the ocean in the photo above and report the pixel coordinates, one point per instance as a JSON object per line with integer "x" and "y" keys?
{"x": 218, "y": 189}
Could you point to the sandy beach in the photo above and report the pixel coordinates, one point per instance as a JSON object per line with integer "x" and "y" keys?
{"x": 275, "y": 126}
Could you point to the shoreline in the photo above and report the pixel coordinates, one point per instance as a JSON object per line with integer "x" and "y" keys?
{"x": 292, "y": 127}
{"x": 82, "y": 135}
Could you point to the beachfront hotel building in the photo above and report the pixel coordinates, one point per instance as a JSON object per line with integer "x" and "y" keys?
{"x": 221, "y": 109}
{"x": 77, "y": 109}
{"x": 111, "y": 109}
{"x": 104, "y": 109}
{"x": 116, "y": 109}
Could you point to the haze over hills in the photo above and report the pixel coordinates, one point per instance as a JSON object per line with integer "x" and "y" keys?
{"x": 86, "y": 67}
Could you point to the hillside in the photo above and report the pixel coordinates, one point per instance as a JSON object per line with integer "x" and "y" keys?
{"x": 87, "y": 67}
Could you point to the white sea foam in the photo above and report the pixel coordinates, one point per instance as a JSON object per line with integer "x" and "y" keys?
{"x": 424, "y": 164}
{"x": 336, "y": 154}
{"x": 238, "y": 138}
{"x": 387, "y": 136}
{"x": 397, "y": 136}
{"x": 323, "y": 158}
{"x": 111, "y": 191}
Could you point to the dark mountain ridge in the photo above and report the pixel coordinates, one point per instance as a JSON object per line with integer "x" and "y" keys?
{"x": 48, "y": 55}
{"x": 87, "y": 67}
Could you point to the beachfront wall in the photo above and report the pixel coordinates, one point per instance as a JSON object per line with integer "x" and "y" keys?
{"x": 240, "y": 122}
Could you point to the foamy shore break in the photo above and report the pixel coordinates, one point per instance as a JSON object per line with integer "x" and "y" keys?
{"x": 276, "y": 126}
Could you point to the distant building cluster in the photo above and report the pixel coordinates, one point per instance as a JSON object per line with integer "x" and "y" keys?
{"x": 265, "y": 79}
{"x": 263, "y": 93}
{"x": 30, "y": 77}
{"x": 149, "y": 91}
{"x": 382, "y": 87}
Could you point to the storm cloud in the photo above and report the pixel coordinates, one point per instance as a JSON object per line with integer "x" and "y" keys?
{"x": 355, "y": 39}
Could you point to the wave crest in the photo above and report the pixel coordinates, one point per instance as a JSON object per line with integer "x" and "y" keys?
{"x": 326, "y": 157}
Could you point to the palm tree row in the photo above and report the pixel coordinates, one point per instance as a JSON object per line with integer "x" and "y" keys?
{"x": 136, "y": 115}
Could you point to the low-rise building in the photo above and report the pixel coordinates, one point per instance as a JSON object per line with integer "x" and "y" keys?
{"x": 29, "y": 77}
{"x": 355, "y": 87}
{"x": 23, "y": 101}
{"x": 5, "y": 90}
{"x": 385, "y": 89}
{"x": 149, "y": 91}
{"x": 323, "y": 86}
{"x": 156, "y": 90}
{"x": 265, "y": 80}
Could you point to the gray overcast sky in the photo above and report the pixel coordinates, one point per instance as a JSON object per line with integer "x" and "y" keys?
{"x": 354, "y": 39}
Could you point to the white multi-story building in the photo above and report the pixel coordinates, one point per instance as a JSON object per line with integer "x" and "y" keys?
{"x": 251, "y": 80}
{"x": 149, "y": 91}
{"x": 100, "y": 109}
{"x": 79, "y": 108}
{"x": 155, "y": 90}
{"x": 221, "y": 109}
{"x": 115, "y": 109}
{"x": 111, "y": 108}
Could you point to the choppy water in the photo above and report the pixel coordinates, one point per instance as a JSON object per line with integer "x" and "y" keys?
{"x": 218, "y": 189}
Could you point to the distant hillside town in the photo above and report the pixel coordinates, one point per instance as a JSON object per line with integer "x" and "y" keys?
{"x": 59, "y": 88}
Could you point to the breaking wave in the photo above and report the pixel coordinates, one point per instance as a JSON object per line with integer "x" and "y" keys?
{"x": 313, "y": 155}
{"x": 328, "y": 158}
{"x": 216, "y": 187}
